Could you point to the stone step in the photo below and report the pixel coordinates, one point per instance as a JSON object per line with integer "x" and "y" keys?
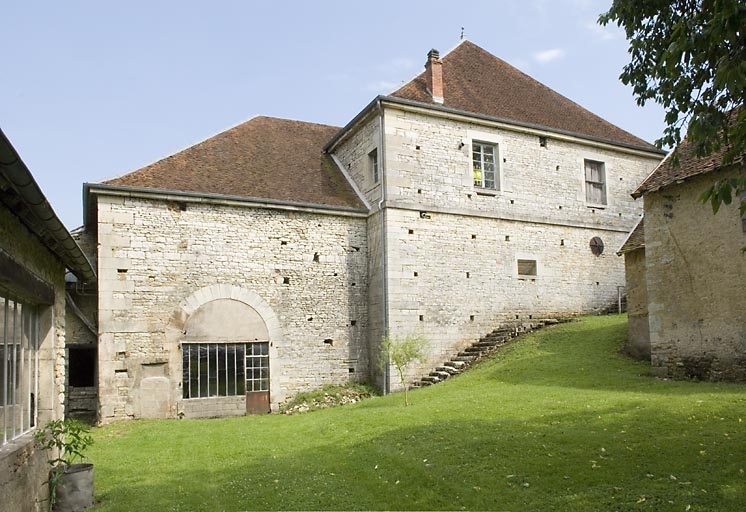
{"x": 442, "y": 375}
{"x": 448, "y": 369}
{"x": 464, "y": 359}
{"x": 455, "y": 364}
{"x": 431, "y": 379}
{"x": 473, "y": 350}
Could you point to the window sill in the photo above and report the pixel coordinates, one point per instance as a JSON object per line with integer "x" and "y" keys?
{"x": 527, "y": 278}
{"x": 486, "y": 192}
{"x": 597, "y": 206}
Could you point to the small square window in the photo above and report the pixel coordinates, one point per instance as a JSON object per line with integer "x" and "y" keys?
{"x": 484, "y": 164}
{"x": 595, "y": 182}
{"x": 527, "y": 268}
{"x": 373, "y": 164}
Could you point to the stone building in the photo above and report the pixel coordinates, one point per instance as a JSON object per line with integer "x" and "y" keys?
{"x": 638, "y": 328}
{"x": 694, "y": 270}
{"x": 35, "y": 250}
{"x": 471, "y": 197}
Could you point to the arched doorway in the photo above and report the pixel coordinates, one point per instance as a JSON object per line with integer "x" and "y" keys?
{"x": 225, "y": 353}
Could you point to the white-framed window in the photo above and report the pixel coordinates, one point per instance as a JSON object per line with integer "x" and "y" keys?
{"x": 373, "y": 165}
{"x": 19, "y": 367}
{"x": 484, "y": 158}
{"x": 224, "y": 369}
{"x": 595, "y": 182}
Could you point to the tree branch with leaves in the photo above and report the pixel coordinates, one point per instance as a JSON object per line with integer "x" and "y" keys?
{"x": 690, "y": 57}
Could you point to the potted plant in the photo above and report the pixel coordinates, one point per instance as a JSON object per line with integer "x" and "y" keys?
{"x": 70, "y": 480}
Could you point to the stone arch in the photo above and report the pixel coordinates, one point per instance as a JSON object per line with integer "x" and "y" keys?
{"x": 226, "y": 291}
{"x": 259, "y": 319}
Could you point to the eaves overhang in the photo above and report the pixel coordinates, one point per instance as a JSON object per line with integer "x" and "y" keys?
{"x": 506, "y": 123}
{"x": 22, "y": 195}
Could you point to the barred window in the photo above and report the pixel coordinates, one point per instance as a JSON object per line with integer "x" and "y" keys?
{"x": 19, "y": 367}
{"x": 224, "y": 369}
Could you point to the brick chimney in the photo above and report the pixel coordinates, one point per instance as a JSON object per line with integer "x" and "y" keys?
{"x": 434, "y": 75}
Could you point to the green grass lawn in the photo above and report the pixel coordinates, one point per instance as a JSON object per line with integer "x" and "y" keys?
{"x": 557, "y": 421}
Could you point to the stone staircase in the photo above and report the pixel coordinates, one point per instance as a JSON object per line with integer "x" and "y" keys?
{"x": 480, "y": 349}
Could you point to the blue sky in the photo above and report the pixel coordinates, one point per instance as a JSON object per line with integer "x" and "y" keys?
{"x": 92, "y": 90}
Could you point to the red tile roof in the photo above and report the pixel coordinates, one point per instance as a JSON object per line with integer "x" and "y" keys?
{"x": 265, "y": 157}
{"x": 680, "y": 165}
{"x": 476, "y": 81}
{"x": 635, "y": 239}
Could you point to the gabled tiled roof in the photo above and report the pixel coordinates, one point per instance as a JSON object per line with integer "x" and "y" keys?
{"x": 476, "y": 81}
{"x": 689, "y": 165}
{"x": 265, "y": 157}
{"x": 635, "y": 240}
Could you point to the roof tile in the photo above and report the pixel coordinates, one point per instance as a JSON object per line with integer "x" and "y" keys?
{"x": 265, "y": 157}
{"x": 476, "y": 81}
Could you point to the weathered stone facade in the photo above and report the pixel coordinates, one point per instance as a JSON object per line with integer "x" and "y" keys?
{"x": 23, "y": 468}
{"x": 304, "y": 272}
{"x": 35, "y": 250}
{"x": 451, "y": 250}
{"x": 695, "y": 282}
{"x": 329, "y": 239}
{"x": 638, "y": 326}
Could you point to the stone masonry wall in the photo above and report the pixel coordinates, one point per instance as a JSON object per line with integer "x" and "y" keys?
{"x": 454, "y": 278}
{"x": 353, "y": 154}
{"x": 638, "y": 330}
{"x": 428, "y": 166}
{"x": 696, "y": 275}
{"x": 452, "y": 249}
{"x": 308, "y": 271}
{"x": 23, "y": 468}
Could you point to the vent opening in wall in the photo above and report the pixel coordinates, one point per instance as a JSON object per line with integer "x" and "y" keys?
{"x": 527, "y": 268}
{"x": 597, "y": 246}
{"x": 543, "y": 142}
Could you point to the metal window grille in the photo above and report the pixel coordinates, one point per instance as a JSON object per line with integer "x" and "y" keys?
{"x": 484, "y": 163}
{"x": 257, "y": 367}
{"x": 224, "y": 369}
{"x": 595, "y": 182}
{"x": 19, "y": 367}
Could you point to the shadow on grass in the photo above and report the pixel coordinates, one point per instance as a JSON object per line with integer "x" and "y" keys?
{"x": 610, "y": 459}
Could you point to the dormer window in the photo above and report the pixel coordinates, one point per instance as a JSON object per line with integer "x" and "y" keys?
{"x": 484, "y": 164}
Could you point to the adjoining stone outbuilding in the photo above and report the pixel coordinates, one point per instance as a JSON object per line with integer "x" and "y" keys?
{"x": 695, "y": 270}
{"x": 272, "y": 258}
{"x": 638, "y": 327}
{"x": 35, "y": 251}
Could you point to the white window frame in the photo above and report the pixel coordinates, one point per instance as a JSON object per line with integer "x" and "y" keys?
{"x": 481, "y": 166}
{"x": 588, "y": 183}
{"x": 489, "y": 139}
{"x": 19, "y": 375}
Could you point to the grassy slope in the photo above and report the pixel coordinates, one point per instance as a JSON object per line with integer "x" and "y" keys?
{"x": 558, "y": 421}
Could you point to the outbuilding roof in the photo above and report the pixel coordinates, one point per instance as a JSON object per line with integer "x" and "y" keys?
{"x": 680, "y": 165}
{"x": 265, "y": 157}
{"x": 20, "y": 193}
{"x": 476, "y": 81}
{"x": 636, "y": 238}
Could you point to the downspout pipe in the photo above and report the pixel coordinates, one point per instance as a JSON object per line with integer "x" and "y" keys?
{"x": 384, "y": 255}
